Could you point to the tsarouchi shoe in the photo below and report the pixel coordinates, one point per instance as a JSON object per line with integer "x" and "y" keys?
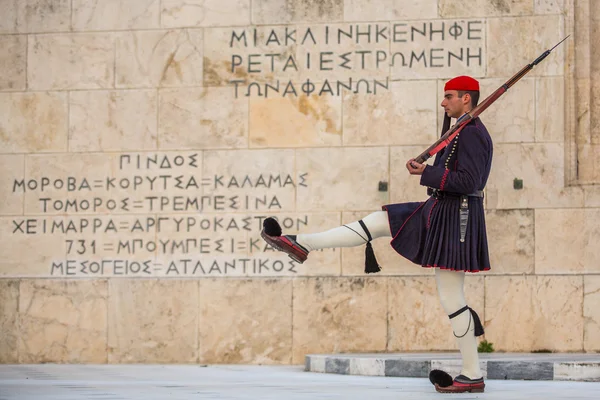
{"x": 271, "y": 233}
{"x": 462, "y": 384}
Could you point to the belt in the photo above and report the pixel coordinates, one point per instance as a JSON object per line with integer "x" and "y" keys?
{"x": 463, "y": 208}
{"x": 440, "y": 194}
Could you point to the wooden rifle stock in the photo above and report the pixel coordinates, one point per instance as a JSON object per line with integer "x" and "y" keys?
{"x": 451, "y": 133}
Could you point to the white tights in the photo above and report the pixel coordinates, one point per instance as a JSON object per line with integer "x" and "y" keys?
{"x": 377, "y": 224}
{"x": 450, "y": 284}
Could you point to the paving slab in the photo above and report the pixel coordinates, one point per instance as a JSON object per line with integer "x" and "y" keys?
{"x": 183, "y": 382}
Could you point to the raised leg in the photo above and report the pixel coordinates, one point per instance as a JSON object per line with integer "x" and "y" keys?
{"x": 348, "y": 235}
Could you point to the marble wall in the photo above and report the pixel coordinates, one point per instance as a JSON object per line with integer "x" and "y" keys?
{"x": 143, "y": 142}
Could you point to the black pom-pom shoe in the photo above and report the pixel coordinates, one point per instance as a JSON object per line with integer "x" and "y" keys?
{"x": 271, "y": 233}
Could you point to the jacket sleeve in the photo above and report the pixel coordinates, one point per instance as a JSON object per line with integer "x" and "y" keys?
{"x": 472, "y": 157}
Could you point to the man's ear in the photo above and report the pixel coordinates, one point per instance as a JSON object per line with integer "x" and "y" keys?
{"x": 466, "y": 99}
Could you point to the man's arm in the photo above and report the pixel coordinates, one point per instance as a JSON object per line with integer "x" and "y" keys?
{"x": 473, "y": 153}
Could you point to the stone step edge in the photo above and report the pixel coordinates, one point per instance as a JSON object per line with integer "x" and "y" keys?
{"x": 492, "y": 369}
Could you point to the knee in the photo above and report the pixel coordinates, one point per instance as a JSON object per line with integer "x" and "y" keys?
{"x": 378, "y": 224}
{"x": 452, "y": 303}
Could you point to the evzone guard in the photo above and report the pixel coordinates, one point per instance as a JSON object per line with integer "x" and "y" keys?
{"x": 446, "y": 232}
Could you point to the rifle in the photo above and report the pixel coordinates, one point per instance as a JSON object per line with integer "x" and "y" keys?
{"x": 451, "y": 133}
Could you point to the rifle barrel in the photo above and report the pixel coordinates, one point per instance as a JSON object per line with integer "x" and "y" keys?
{"x": 462, "y": 121}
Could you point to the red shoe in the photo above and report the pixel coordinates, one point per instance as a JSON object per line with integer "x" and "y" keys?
{"x": 271, "y": 233}
{"x": 462, "y": 384}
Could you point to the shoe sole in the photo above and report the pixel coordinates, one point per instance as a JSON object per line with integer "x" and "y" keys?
{"x": 278, "y": 247}
{"x": 471, "y": 390}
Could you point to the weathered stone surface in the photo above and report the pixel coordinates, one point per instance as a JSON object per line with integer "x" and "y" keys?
{"x": 550, "y": 103}
{"x": 37, "y": 123}
{"x": 202, "y": 246}
{"x": 541, "y": 168}
{"x": 403, "y": 116}
{"x": 391, "y": 263}
{"x": 159, "y": 58}
{"x": 564, "y": 241}
{"x": 112, "y": 120}
{"x": 407, "y": 368}
{"x": 183, "y": 13}
{"x": 346, "y": 53}
{"x": 591, "y": 313}
{"x": 513, "y": 48}
{"x": 589, "y": 167}
{"x": 244, "y": 175}
{"x": 592, "y": 196}
{"x": 485, "y": 8}
{"x": 295, "y": 121}
{"x": 43, "y": 15}
{"x": 385, "y": 10}
{"x": 8, "y": 22}
{"x": 153, "y": 321}
{"x": 70, "y": 61}
{"x": 13, "y": 55}
{"x": 338, "y": 315}
{"x": 434, "y": 49}
{"x": 337, "y": 189}
{"x": 13, "y": 169}
{"x": 416, "y": 319}
{"x": 122, "y": 180}
{"x": 282, "y": 11}
{"x": 104, "y": 183}
{"x": 245, "y": 321}
{"x": 120, "y": 246}
{"x": 538, "y": 371}
{"x": 337, "y": 366}
{"x": 115, "y": 14}
{"x": 24, "y": 254}
{"x": 63, "y": 321}
{"x": 511, "y": 238}
{"x": 532, "y": 304}
{"x": 9, "y": 332}
{"x": 509, "y": 303}
{"x": 238, "y": 56}
{"x": 57, "y": 169}
{"x": 519, "y": 103}
{"x": 198, "y": 118}
{"x": 549, "y": 6}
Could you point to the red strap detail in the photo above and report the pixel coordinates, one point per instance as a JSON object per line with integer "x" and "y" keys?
{"x": 443, "y": 183}
{"x": 429, "y": 216}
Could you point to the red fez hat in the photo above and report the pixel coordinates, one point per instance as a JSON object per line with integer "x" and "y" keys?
{"x": 465, "y": 83}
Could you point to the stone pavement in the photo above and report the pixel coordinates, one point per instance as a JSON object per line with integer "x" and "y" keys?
{"x": 518, "y": 366}
{"x": 173, "y": 382}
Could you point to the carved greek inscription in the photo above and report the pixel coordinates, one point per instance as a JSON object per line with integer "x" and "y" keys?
{"x": 159, "y": 215}
{"x": 321, "y": 60}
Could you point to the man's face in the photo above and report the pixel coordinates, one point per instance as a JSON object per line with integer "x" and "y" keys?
{"x": 453, "y": 105}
